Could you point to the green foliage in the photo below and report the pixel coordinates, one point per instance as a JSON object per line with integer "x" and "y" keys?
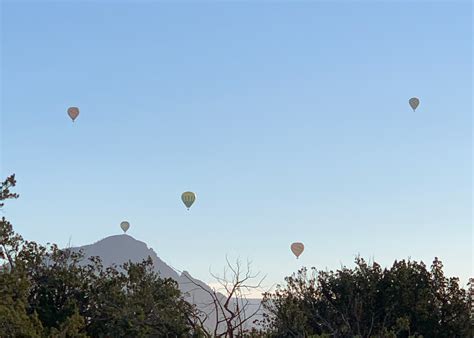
{"x": 136, "y": 303}
{"x": 407, "y": 300}
{"x": 15, "y": 321}
{"x": 5, "y": 192}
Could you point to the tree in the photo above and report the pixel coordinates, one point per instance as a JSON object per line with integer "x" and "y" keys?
{"x": 14, "y": 285}
{"x": 135, "y": 302}
{"x": 5, "y": 192}
{"x": 406, "y": 300}
{"x": 229, "y": 305}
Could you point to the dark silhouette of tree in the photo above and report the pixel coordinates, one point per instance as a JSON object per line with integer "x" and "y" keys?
{"x": 15, "y": 320}
{"x": 406, "y": 300}
{"x": 229, "y": 304}
{"x": 5, "y": 192}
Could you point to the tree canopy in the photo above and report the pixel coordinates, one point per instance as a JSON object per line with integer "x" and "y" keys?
{"x": 406, "y": 300}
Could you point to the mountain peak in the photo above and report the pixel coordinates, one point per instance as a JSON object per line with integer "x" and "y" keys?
{"x": 122, "y": 238}
{"x": 119, "y": 249}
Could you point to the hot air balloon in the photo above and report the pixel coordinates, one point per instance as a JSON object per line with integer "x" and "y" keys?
{"x": 125, "y": 225}
{"x": 297, "y": 249}
{"x": 188, "y": 198}
{"x": 73, "y": 113}
{"x": 414, "y": 102}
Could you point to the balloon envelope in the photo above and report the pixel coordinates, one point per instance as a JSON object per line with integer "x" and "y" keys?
{"x": 414, "y": 102}
{"x": 297, "y": 248}
{"x": 125, "y": 225}
{"x": 73, "y": 113}
{"x": 188, "y": 198}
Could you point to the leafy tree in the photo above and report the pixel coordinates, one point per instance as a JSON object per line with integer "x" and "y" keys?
{"x": 135, "y": 303}
{"x": 15, "y": 321}
{"x": 406, "y": 300}
{"x": 5, "y": 192}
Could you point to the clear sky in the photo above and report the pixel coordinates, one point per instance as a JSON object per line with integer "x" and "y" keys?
{"x": 290, "y": 121}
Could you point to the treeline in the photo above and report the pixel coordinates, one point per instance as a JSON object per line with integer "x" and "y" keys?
{"x": 48, "y": 292}
{"x": 406, "y": 300}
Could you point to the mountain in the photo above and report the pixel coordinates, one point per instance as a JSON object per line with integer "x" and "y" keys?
{"x": 123, "y": 248}
{"x": 120, "y": 249}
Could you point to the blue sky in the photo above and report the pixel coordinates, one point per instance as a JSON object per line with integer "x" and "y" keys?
{"x": 289, "y": 120}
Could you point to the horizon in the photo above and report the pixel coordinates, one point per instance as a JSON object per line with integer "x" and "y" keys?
{"x": 290, "y": 122}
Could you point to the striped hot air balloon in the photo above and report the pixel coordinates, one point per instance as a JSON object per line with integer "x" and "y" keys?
{"x": 188, "y": 198}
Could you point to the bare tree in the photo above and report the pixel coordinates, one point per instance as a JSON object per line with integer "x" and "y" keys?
{"x": 229, "y": 304}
